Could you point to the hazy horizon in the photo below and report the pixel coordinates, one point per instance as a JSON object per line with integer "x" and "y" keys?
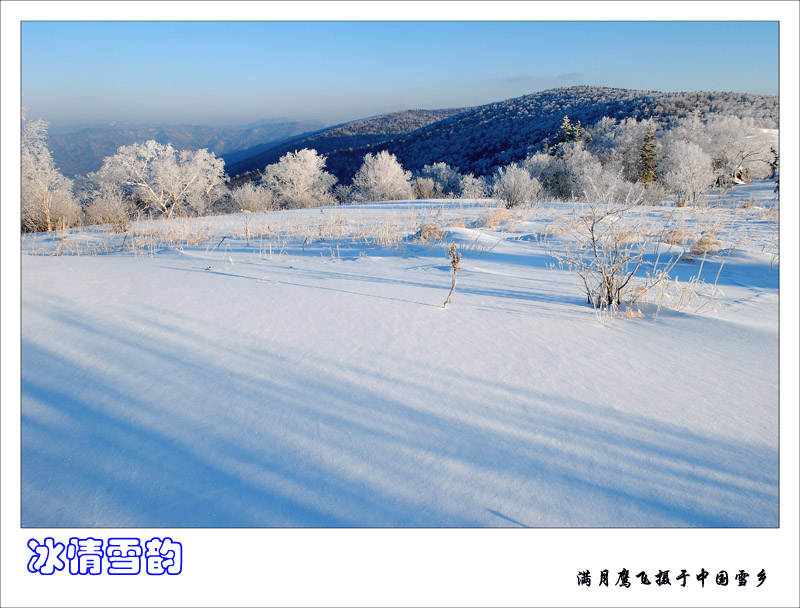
{"x": 73, "y": 126}
{"x": 218, "y": 73}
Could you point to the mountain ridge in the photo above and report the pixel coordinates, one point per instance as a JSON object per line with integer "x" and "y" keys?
{"x": 481, "y": 138}
{"x": 355, "y": 133}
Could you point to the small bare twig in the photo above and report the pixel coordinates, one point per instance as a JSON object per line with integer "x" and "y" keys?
{"x": 455, "y": 260}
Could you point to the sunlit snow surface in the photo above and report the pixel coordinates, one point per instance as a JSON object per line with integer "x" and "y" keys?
{"x": 307, "y": 375}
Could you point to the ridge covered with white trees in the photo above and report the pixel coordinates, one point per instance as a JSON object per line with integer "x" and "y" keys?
{"x": 478, "y": 140}
{"x": 555, "y": 145}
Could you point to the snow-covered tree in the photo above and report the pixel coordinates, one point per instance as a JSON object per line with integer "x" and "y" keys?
{"x": 537, "y": 165}
{"x": 108, "y": 205}
{"x": 447, "y": 180}
{"x": 515, "y": 186}
{"x": 572, "y": 172}
{"x": 159, "y": 177}
{"x": 688, "y": 130}
{"x": 252, "y": 197}
{"x": 568, "y": 132}
{"x": 472, "y": 187}
{"x": 210, "y": 184}
{"x": 299, "y": 180}
{"x": 381, "y": 178}
{"x": 618, "y": 145}
{"x": 425, "y": 188}
{"x": 687, "y": 171}
{"x": 740, "y": 151}
{"x": 48, "y": 201}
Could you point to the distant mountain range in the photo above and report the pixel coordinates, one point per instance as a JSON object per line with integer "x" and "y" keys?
{"x": 477, "y": 139}
{"x": 81, "y": 151}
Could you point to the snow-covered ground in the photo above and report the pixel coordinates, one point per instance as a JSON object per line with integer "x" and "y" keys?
{"x": 298, "y": 369}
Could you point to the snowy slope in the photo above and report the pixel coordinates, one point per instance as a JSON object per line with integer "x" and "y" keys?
{"x": 305, "y": 376}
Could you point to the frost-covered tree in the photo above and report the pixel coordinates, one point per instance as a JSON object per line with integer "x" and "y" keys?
{"x": 343, "y": 193}
{"x": 252, "y": 197}
{"x": 687, "y": 171}
{"x": 690, "y": 129}
{"x": 108, "y": 205}
{"x": 515, "y": 186}
{"x": 618, "y": 145}
{"x": 159, "y": 177}
{"x": 740, "y": 151}
{"x": 473, "y": 187}
{"x": 381, "y": 178}
{"x": 574, "y": 171}
{"x": 299, "y": 180}
{"x": 210, "y": 184}
{"x": 568, "y": 132}
{"x": 425, "y": 188}
{"x": 537, "y": 165}
{"x": 48, "y": 201}
{"x": 447, "y": 180}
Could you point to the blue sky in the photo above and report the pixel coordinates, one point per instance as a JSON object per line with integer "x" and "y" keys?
{"x": 240, "y": 72}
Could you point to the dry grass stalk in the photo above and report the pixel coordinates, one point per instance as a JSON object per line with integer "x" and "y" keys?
{"x": 428, "y": 232}
{"x": 706, "y": 244}
{"x": 495, "y": 217}
{"x": 677, "y": 236}
{"x": 455, "y": 260}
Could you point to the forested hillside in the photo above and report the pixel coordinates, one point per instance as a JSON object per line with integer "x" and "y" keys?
{"x": 478, "y": 140}
{"x": 351, "y": 135}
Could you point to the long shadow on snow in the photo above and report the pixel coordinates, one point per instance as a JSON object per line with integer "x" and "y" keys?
{"x": 464, "y": 286}
{"x": 338, "y": 451}
{"x": 153, "y": 470}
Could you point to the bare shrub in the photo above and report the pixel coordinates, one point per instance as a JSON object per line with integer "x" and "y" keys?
{"x": 608, "y": 252}
{"x": 343, "y": 193}
{"x": 110, "y": 206}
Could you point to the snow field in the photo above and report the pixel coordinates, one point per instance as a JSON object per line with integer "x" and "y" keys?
{"x": 302, "y": 372}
